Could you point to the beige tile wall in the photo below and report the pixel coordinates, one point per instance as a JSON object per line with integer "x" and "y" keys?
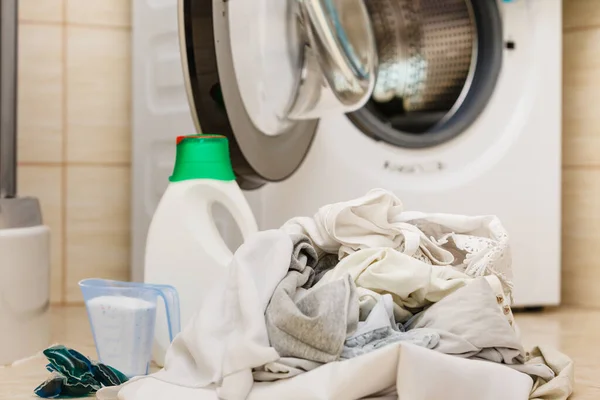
{"x": 74, "y": 143}
{"x": 581, "y": 160}
{"x": 74, "y": 133}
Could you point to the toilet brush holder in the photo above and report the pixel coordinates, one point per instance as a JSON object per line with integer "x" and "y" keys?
{"x": 24, "y": 280}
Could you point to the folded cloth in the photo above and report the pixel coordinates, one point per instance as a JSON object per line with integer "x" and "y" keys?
{"x": 380, "y": 329}
{"x": 227, "y": 337}
{"x": 412, "y": 283}
{"x": 476, "y": 245}
{"x": 472, "y": 324}
{"x": 411, "y": 372}
{"x": 284, "y": 368}
{"x": 310, "y": 324}
{"x": 303, "y": 254}
{"x": 315, "y": 326}
{"x": 366, "y": 222}
{"x": 380, "y": 316}
{"x": 559, "y": 388}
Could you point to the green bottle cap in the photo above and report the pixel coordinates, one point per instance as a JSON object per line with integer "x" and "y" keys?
{"x": 202, "y": 157}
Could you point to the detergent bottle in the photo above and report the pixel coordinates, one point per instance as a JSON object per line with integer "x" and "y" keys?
{"x": 184, "y": 245}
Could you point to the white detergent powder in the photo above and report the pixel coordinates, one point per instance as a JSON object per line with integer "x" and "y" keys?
{"x": 124, "y": 331}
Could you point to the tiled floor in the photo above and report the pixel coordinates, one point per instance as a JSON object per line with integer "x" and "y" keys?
{"x": 573, "y": 331}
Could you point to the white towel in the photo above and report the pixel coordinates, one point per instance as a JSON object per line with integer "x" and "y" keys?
{"x": 228, "y": 337}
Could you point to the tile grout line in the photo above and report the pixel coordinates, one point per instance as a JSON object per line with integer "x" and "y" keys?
{"x": 75, "y": 24}
{"x": 591, "y": 167}
{"x": 64, "y": 172}
{"x": 582, "y": 28}
{"x": 125, "y": 164}
{"x": 565, "y": 29}
{"x": 74, "y": 164}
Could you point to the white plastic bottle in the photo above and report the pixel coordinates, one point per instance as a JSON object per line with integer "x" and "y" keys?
{"x": 183, "y": 241}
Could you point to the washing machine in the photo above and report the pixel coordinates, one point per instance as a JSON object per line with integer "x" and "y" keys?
{"x": 454, "y": 105}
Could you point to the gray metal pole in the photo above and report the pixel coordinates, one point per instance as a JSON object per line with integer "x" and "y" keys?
{"x": 8, "y": 97}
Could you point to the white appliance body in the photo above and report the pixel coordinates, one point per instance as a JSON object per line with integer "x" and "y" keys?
{"x": 507, "y": 162}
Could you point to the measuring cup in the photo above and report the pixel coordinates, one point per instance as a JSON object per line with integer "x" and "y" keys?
{"x": 122, "y": 317}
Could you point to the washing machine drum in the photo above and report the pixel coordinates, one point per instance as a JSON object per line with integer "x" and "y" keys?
{"x": 412, "y": 73}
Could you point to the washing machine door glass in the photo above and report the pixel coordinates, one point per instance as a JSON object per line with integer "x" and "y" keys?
{"x": 438, "y": 65}
{"x": 264, "y": 72}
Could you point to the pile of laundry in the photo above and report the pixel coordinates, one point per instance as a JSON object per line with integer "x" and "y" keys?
{"x": 364, "y": 300}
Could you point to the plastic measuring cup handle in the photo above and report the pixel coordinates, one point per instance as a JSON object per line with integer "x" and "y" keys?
{"x": 171, "y": 298}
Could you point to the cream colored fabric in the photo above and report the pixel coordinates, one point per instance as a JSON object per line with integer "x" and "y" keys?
{"x": 284, "y": 368}
{"x": 475, "y": 245}
{"x": 399, "y": 371}
{"x": 472, "y": 325}
{"x": 412, "y": 283}
{"x": 559, "y": 388}
{"x": 480, "y": 244}
{"x": 370, "y": 221}
{"x": 502, "y": 301}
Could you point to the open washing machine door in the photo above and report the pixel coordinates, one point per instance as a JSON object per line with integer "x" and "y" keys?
{"x": 251, "y": 74}
{"x": 264, "y": 72}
